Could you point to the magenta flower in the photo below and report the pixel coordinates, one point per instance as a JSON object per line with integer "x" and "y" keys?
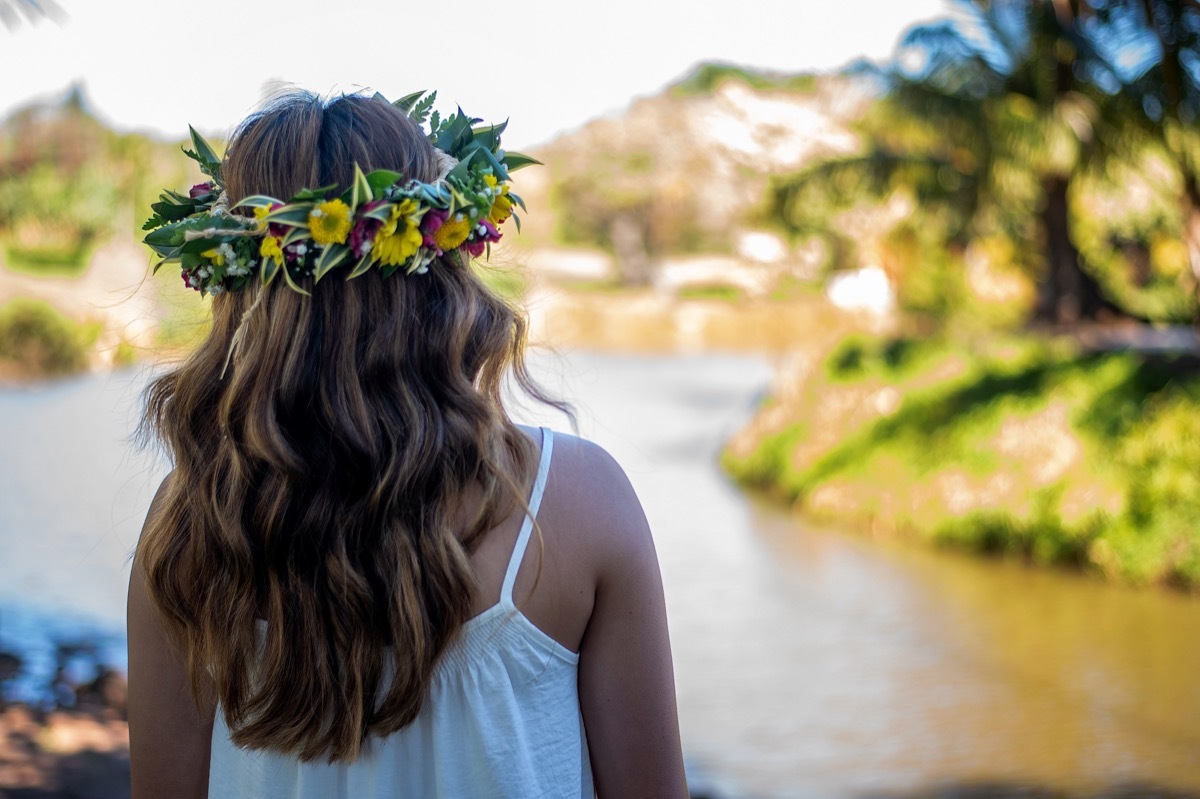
{"x": 362, "y": 235}
{"x": 479, "y": 240}
{"x": 200, "y": 189}
{"x": 430, "y": 224}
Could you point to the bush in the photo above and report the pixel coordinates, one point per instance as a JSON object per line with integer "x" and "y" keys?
{"x": 41, "y": 340}
{"x": 1010, "y": 447}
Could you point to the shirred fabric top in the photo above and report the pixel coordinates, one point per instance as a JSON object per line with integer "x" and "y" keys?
{"x": 501, "y": 720}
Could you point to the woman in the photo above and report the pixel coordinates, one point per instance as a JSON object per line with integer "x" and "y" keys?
{"x": 335, "y": 592}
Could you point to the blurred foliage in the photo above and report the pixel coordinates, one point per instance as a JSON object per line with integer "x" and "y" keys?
{"x": 1014, "y": 446}
{"x": 657, "y": 181}
{"x": 1059, "y": 133}
{"x": 708, "y": 77}
{"x": 39, "y": 339}
{"x": 68, "y": 183}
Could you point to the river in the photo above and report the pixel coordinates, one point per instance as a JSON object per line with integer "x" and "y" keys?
{"x": 809, "y": 663}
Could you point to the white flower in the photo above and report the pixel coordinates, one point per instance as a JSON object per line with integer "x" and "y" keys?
{"x": 216, "y": 289}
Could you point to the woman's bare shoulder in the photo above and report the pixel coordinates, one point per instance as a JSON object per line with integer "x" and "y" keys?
{"x": 589, "y": 493}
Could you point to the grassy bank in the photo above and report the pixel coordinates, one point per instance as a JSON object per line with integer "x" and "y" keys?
{"x": 1017, "y": 447}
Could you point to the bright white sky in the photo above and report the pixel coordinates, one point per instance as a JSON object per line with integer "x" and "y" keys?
{"x": 548, "y": 65}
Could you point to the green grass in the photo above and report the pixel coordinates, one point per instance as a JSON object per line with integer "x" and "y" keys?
{"x": 1017, "y": 448}
{"x": 48, "y": 261}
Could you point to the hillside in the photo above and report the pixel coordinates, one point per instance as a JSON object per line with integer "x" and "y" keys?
{"x": 685, "y": 170}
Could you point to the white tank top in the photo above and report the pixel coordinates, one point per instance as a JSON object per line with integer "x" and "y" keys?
{"x": 501, "y": 720}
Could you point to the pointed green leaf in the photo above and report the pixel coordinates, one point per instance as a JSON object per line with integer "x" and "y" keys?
{"x": 270, "y": 267}
{"x": 294, "y": 215}
{"x": 258, "y": 201}
{"x": 165, "y": 237}
{"x": 383, "y": 213}
{"x": 199, "y": 245}
{"x": 287, "y": 276}
{"x": 361, "y": 267}
{"x": 360, "y": 192}
{"x": 406, "y": 102}
{"x": 330, "y": 257}
{"x": 294, "y": 235}
{"x": 515, "y": 161}
{"x": 380, "y": 179}
{"x": 172, "y": 212}
{"x": 497, "y": 168}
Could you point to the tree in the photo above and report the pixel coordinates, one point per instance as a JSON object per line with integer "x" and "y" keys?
{"x": 999, "y": 110}
{"x": 13, "y": 11}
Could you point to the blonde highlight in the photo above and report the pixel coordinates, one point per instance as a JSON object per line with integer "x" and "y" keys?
{"x": 308, "y": 556}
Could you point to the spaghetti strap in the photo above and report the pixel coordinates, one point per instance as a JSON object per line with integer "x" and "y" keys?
{"x": 535, "y": 501}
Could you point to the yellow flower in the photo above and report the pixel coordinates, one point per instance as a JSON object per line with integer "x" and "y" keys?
{"x": 214, "y": 256}
{"x": 399, "y": 238}
{"x": 501, "y": 209}
{"x": 270, "y": 249}
{"x": 501, "y": 206}
{"x": 329, "y": 222}
{"x": 261, "y": 215}
{"x": 453, "y": 232}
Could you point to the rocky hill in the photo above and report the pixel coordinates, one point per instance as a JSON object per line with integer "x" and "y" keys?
{"x": 686, "y": 170}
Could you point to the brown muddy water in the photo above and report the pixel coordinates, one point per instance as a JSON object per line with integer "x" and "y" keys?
{"x": 809, "y": 663}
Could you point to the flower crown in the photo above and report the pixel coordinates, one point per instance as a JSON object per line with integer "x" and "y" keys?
{"x": 381, "y": 221}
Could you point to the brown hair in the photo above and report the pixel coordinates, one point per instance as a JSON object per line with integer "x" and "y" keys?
{"x": 318, "y": 481}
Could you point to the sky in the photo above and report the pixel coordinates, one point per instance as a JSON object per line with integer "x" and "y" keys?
{"x": 547, "y": 65}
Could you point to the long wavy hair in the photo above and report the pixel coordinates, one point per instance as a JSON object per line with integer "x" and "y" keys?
{"x": 310, "y": 553}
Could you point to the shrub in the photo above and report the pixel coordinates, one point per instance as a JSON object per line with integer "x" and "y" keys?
{"x": 41, "y": 340}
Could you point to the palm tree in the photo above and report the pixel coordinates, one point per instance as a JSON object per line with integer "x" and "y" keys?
{"x": 13, "y": 11}
{"x": 1013, "y": 100}
{"x": 1152, "y": 47}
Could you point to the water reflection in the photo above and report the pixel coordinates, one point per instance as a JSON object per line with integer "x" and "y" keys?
{"x": 809, "y": 663}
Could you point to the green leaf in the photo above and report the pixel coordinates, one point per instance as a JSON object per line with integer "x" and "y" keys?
{"x": 406, "y": 102}
{"x": 287, "y": 276}
{"x": 199, "y": 245}
{"x": 383, "y": 213}
{"x": 497, "y": 168}
{"x": 516, "y": 198}
{"x": 294, "y": 235}
{"x": 204, "y": 155}
{"x": 380, "y": 179}
{"x": 462, "y": 169}
{"x": 515, "y": 161}
{"x": 420, "y": 111}
{"x": 361, "y": 267}
{"x": 173, "y": 212}
{"x": 294, "y": 215}
{"x": 330, "y": 257}
{"x": 270, "y": 267}
{"x": 310, "y": 195}
{"x": 517, "y": 221}
{"x": 360, "y": 190}
{"x": 164, "y": 237}
{"x": 258, "y": 201}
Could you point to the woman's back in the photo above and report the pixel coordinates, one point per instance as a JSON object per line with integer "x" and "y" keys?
{"x": 337, "y": 574}
{"x": 501, "y": 718}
